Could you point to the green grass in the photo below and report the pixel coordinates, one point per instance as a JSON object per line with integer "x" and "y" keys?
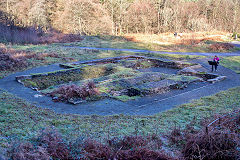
{"x": 126, "y": 98}
{"x": 232, "y": 63}
{"x": 21, "y": 120}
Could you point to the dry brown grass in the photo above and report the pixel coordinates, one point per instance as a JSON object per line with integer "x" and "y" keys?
{"x": 182, "y": 38}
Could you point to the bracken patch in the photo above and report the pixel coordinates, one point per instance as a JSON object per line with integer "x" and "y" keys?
{"x": 216, "y": 145}
{"x": 68, "y": 92}
{"x": 23, "y": 151}
{"x": 54, "y": 144}
{"x": 221, "y": 47}
{"x": 14, "y": 60}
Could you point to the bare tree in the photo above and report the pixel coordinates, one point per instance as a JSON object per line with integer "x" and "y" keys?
{"x": 84, "y": 16}
{"x": 123, "y": 16}
{"x": 141, "y": 17}
{"x": 37, "y": 14}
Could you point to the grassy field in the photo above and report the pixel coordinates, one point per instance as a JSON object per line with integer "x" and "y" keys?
{"x": 187, "y": 42}
{"x": 232, "y": 63}
{"x": 21, "y": 120}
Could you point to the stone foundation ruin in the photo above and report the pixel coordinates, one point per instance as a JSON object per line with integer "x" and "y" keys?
{"x": 123, "y": 78}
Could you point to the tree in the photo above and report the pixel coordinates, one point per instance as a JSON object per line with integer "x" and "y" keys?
{"x": 141, "y": 17}
{"x": 123, "y": 16}
{"x": 84, "y": 16}
{"x": 117, "y": 9}
{"x": 37, "y": 14}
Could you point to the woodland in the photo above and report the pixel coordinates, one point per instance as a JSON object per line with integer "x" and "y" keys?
{"x": 117, "y": 17}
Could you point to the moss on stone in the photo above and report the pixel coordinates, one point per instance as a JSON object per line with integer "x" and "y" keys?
{"x": 125, "y": 98}
{"x": 182, "y": 78}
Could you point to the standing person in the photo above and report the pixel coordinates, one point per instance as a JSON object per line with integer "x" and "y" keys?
{"x": 216, "y": 60}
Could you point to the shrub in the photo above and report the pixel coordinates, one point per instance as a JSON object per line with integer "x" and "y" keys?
{"x": 54, "y": 144}
{"x": 130, "y": 142}
{"x": 95, "y": 150}
{"x": 50, "y": 145}
{"x": 23, "y": 151}
{"x": 18, "y": 35}
{"x": 221, "y": 47}
{"x": 30, "y": 35}
{"x": 127, "y": 148}
{"x": 53, "y": 36}
{"x": 68, "y": 92}
{"x": 13, "y": 60}
{"x": 190, "y": 41}
{"x": 177, "y": 136}
{"x": 10, "y": 63}
{"x": 216, "y": 145}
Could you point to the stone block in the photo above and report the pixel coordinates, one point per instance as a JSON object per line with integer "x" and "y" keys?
{"x": 217, "y": 79}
